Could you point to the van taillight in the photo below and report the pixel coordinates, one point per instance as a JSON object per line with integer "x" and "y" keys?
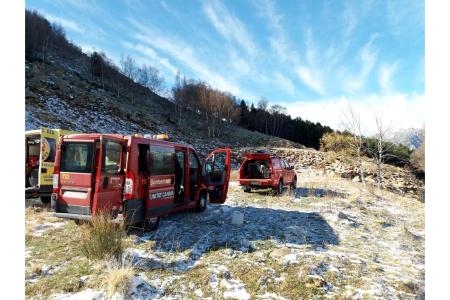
{"x": 129, "y": 182}
{"x": 55, "y": 183}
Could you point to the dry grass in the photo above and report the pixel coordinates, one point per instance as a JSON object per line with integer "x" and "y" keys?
{"x": 234, "y": 174}
{"x": 118, "y": 279}
{"x": 102, "y": 238}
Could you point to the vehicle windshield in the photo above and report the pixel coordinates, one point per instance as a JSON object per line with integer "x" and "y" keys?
{"x": 77, "y": 157}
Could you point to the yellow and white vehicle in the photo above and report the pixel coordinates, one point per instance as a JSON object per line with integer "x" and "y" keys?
{"x": 40, "y": 151}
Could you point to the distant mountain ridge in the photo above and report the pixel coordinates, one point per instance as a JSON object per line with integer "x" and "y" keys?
{"x": 410, "y": 137}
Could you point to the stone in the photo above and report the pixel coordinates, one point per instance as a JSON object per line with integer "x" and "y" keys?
{"x": 237, "y": 218}
{"x": 315, "y": 281}
{"x": 279, "y": 253}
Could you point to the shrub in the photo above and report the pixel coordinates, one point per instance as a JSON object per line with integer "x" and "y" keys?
{"x": 102, "y": 238}
{"x": 418, "y": 158}
{"x": 394, "y": 154}
{"x": 118, "y": 279}
{"x": 337, "y": 142}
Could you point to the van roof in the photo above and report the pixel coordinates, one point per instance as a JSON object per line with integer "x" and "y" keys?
{"x": 90, "y": 136}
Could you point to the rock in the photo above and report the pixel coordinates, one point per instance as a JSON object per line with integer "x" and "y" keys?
{"x": 315, "y": 281}
{"x": 356, "y": 179}
{"x": 237, "y": 218}
{"x": 279, "y": 253}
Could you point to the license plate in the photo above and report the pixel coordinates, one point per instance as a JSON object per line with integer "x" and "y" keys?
{"x": 76, "y": 195}
{"x": 255, "y": 183}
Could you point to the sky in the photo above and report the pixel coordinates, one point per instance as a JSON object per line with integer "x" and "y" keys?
{"x": 314, "y": 57}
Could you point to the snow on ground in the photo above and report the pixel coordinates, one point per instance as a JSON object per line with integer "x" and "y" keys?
{"x": 40, "y": 229}
{"x": 371, "y": 247}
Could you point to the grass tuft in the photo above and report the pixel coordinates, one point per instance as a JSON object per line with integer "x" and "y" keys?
{"x": 102, "y": 238}
{"x": 118, "y": 279}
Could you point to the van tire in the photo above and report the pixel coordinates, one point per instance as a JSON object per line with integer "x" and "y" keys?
{"x": 45, "y": 199}
{"x": 247, "y": 189}
{"x": 151, "y": 225}
{"x": 201, "y": 203}
{"x": 294, "y": 184}
{"x": 80, "y": 222}
{"x": 280, "y": 187}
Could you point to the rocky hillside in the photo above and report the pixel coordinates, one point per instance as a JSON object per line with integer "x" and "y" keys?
{"x": 395, "y": 179}
{"x": 60, "y": 94}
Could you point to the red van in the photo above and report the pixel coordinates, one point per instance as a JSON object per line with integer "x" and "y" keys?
{"x": 262, "y": 170}
{"x": 135, "y": 179}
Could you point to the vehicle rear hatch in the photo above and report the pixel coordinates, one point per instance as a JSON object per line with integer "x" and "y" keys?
{"x": 256, "y": 166}
{"x": 77, "y": 176}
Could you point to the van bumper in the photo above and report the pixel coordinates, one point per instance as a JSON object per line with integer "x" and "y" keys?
{"x": 256, "y": 183}
{"x": 36, "y": 191}
{"x": 88, "y": 218}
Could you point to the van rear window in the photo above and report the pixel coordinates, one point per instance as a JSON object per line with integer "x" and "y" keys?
{"x": 162, "y": 160}
{"x": 77, "y": 157}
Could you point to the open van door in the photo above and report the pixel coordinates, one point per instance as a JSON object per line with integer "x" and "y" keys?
{"x": 49, "y": 139}
{"x": 216, "y": 174}
{"x": 110, "y": 175}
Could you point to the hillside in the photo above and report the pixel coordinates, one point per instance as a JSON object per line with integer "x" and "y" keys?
{"x": 60, "y": 94}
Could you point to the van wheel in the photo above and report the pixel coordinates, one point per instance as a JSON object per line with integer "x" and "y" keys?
{"x": 247, "y": 189}
{"x": 201, "y": 203}
{"x": 280, "y": 187}
{"x": 151, "y": 224}
{"x": 45, "y": 199}
{"x": 80, "y": 222}
{"x": 294, "y": 184}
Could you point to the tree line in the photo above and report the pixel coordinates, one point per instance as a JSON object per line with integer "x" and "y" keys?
{"x": 128, "y": 80}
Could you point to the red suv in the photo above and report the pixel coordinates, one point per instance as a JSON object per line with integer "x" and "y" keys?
{"x": 262, "y": 170}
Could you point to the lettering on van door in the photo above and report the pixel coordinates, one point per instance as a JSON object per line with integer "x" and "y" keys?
{"x": 161, "y": 195}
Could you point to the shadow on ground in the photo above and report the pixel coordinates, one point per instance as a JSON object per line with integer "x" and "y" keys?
{"x": 317, "y": 192}
{"x": 213, "y": 230}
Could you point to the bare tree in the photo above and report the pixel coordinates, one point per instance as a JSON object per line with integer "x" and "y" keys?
{"x": 352, "y": 123}
{"x": 129, "y": 69}
{"x": 151, "y": 78}
{"x": 380, "y": 153}
{"x": 263, "y": 104}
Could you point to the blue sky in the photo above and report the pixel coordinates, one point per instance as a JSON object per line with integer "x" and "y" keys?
{"x": 314, "y": 57}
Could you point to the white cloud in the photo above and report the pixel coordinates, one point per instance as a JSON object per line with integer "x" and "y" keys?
{"x": 185, "y": 54}
{"x": 284, "y": 83}
{"x": 311, "y": 78}
{"x": 398, "y": 110}
{"x": 385, "y": 76}
{"x": 228, "y": 25}
{"x": 67, "y": 24}
{"x": 151, "y": 54}
{"x": 367, "y": 57}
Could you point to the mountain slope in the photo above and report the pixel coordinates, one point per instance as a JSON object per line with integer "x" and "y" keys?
{"x": 60, "y": 94}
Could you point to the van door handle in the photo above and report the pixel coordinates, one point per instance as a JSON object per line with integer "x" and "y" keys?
{"x": 105, "y": 182}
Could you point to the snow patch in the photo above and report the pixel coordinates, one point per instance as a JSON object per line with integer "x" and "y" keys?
{"x": 40, "y": 229}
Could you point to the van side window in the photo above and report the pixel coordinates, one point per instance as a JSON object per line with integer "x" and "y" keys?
{"x": 143, "y": 150}
{"x": 286, "y": 164}
{"x": 162, "y": 160}
{"x": 193, "y": 162}
{"x": 111, "y": 157}
{"x": 276, "y": 163}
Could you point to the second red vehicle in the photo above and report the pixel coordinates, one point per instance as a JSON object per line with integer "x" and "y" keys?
{"x": 262, "y": 170}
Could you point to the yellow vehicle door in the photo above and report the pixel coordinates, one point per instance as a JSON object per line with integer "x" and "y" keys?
{"x": 49, "y": 139}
